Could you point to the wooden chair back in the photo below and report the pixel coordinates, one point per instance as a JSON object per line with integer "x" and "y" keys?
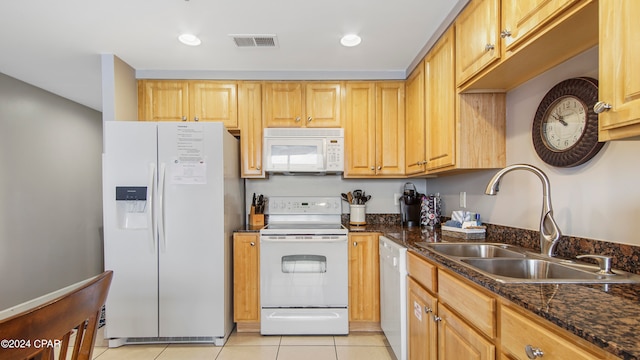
{"x": 44, "y": 329}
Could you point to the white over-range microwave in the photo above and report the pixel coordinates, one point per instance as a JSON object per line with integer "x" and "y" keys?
{"x": 304, "y": 150}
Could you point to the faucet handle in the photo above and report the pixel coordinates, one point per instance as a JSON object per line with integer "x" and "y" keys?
{"x": 603, "y": 261}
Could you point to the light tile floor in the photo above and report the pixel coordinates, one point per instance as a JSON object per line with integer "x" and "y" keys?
{"x": 252, "y": 346}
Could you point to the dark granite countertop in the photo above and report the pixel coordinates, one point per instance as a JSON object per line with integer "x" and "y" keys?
{"x": 607, "y": 316}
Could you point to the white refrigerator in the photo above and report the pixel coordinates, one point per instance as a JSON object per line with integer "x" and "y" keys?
{"x": 172, "y": 197}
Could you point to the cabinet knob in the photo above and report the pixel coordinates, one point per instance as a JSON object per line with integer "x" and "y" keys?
{"x": 427, "y": 309}
{"x": 489, "y": 47}
{"x": 379, "y": 167}
{"x": 437, "y": 318}
{"x": 373, "y": 168}
{"x": 258, "y": 168}
{"x": 195, "y": 118}
{"x": 601, "y": 107}
{"x": 184, "y": 118}
{"x": 252, "y": 243}
{"x": 533, "y": 352}
{"x": 355, "y": 243}
{"x": 505, "y": 33}
{"x": 298, "y": 119}
{"x": 309, "y": 119}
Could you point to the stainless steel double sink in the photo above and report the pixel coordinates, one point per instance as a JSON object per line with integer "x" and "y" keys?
{"x": 512, "y": 264}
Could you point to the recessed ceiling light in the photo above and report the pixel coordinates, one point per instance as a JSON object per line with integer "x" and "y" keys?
{"x": 350, "y": 40}
{"x": 189, "y": 39}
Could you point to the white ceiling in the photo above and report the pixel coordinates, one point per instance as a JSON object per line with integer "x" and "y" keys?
{"x": 56, "y": 44}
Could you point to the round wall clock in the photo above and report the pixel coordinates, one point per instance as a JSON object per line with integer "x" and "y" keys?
{"x": 565, "y": 127}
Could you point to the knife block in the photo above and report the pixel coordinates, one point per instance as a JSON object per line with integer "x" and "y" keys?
{"x": 255, "y": 219}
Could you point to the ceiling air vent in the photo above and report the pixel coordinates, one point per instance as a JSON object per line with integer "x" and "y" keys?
{"x": 255, "y": 40}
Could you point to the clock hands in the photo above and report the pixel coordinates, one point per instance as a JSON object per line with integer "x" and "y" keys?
{"x": 560, "y": 118}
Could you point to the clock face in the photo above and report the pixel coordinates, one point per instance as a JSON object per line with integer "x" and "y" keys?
{"x": 564, "y": 123}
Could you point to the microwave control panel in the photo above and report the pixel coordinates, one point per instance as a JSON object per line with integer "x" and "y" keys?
{"x": 335, "y": 154}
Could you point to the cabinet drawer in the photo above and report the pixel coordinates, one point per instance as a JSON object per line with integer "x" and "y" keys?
{"x": 518, "y": 331}
{"x": 423, "y": 271}
{"x": 475, "y": 306}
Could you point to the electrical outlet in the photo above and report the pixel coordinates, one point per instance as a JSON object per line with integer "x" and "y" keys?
{"x": 396, "y": 198}
{"x": 463, "y": 199}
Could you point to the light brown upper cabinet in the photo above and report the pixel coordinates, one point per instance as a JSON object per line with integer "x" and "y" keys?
{"x": 374, "y": 129}
{"x": 477, "y": 33}
{"x": 415, "y": 154}
{"x": 188, "y": 100}
{"x": 619, "y": 83}
{"x": 250, "y": 121}
{"x": 302, "y": 104}
{"x": 448, "y": 132}
{"x": 440, "y": 104}
{"x": 502, "y": 44}
{"x": 521, "y": 18}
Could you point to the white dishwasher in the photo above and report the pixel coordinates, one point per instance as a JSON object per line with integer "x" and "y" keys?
{"x": 393, "y": 295}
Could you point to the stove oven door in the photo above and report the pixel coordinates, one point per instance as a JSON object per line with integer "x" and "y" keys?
{"x": 304, "y": 271}
{"x": 304, "y": 285}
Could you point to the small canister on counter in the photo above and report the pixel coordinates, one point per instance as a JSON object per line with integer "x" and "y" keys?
{"x": 430, "y": 210}
{"x": 357, "y": 216}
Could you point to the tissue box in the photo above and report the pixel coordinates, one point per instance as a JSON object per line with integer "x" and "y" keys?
{"x": 468, "y": 233}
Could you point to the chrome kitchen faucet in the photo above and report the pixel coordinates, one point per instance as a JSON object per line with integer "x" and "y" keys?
{"x": 549, "y": 231}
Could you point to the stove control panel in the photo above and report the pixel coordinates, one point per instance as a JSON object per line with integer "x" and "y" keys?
{"x": 292, "y": 205}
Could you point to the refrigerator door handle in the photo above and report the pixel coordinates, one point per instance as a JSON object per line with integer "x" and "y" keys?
{"x": 151, "y": 205}
{"x": 163, "y": 238}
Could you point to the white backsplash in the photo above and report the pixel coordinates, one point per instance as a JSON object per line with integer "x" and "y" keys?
{"x": 381, "y": 190}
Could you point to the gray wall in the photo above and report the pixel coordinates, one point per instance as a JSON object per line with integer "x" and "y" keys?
{"x": 50, "y": 192}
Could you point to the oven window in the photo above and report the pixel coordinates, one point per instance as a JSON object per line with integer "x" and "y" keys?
{"x": 304, "y": 264}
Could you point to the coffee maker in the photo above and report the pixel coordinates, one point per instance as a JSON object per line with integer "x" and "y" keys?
{"x": 410, "y": 206}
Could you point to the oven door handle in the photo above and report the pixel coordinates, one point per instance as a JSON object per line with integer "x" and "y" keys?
{"x": 307, "y": 241}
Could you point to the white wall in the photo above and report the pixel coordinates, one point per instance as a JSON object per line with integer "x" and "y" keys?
{"x": 381, "y": 190}
{"x": 50, "y": 192}
{"x": 597, "y": 200}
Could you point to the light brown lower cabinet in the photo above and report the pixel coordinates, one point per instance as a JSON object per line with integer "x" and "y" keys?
{"x": 246, "y": 281}
{"x": 423, "y": 332}
{"x": 458, "y": 340}
{"x": 364, "y": 282}
{"x": 458, "y": 319}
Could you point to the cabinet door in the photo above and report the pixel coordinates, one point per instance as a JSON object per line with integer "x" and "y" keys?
{"x": 520, "y": 18}
{"x": 246, "y": 277}
{"x": 440, "y": 94}
{"x": 250, "y": 121}
{"x": 415, "y": 156}
{"x": 163, "y": 100}
{"x": 323, "y": 105}
{"x": 457, "y": 340}
{"x": 477, "y": 45}
{"x": 390, "y": 131}
{"x": 423, "y": 331}
{"x": 283, "y": 104}
{"x": 214, "y": 101}
{"x": 360, "y": 129}
{"x": 618, "y": 68}
{"x": 364, "y": 278}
